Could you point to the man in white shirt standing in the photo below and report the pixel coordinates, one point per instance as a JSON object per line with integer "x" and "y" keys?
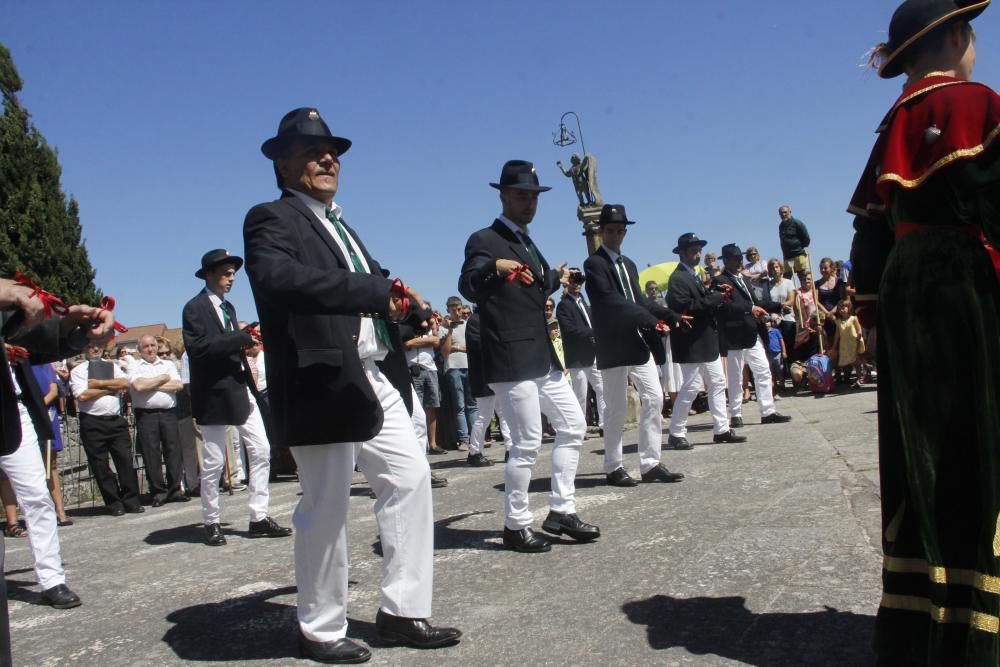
{"x": 456, "y": 357}
{"x": 153, "y": 384}
{"x": 98, "y": 385}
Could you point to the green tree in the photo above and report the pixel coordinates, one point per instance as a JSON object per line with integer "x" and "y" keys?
{"x": 40, "y": 231}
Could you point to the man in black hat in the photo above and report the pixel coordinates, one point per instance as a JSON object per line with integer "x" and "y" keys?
{"x": 506, "y": 276}
{"x": 223, "y": 394}
{"x": 739, "y": 318}
{"x": 629, "y": 346}
{"x": 696, "y": 348}
{"x": 579, "y": 348}
{"x": 340, "y": 391}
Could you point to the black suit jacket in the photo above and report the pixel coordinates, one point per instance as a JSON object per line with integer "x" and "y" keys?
{"x": 514, "y": 335}
{"x": 45, "y": 344}
{"x": 474, "y": 350}
{"x": 579, "y": 347}
{"x": 625, "y": 330}
{"x": 687, "y": 295}
{"x": 219, "y": 369}
{"x": 739, "y": 329}
{"x": 310, "y": 303}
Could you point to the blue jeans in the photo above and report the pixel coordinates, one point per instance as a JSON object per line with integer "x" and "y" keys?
{"x": 465, "y": 402}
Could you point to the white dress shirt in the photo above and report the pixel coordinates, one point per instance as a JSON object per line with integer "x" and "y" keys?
{"x": 152, "y": 399}
{"x": 99, "y": 407}
{"x": 368, "y": 343}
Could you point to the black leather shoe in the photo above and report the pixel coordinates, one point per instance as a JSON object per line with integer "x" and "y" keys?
{"x": 416, "y": 632}
{"x": 729, "y": 436}
{"x": 267, "y": 527}
{"x": 177, "y": 498}
{"x": 736, "y": 422}
{"x": 436, "y": 451}
{"x": 478, "y": 461}
{"x": 134, "y": 509}
{"x": 158, "y": 502}
{"x": 618, "y": 477}
{"x": 661, "y": 474}
{"x": 340, "y": 652}
{"x": 61, "y": 597}
{"x": 438, "y": 482}
{"x": 214, "y": 538}
{"x": 116, "y": 510}
{"x": 775, "y": 418}
{"x": 676, "y": 442}
{"x": 571, "y": 525}
{"x": 525, "y": 541}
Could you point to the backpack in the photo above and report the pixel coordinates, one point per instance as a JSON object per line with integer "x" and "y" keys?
{"x": 819, "y": 372}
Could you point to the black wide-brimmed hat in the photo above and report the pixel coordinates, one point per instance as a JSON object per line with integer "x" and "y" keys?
{"x": 215, "y": 257}
{"x": 302, "y": 124}
{"x": 731, "y": 250}
{"x": 915, "y": 18}
{"x": 519, "y": 175}
{"x": 688, "y": 239}
{"x": 612, "y": 214}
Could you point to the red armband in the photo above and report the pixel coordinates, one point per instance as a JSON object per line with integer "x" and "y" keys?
{"x": 50, "y": 303}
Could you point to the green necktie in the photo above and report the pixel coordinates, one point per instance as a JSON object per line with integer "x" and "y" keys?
{"x": 533, "y": 253}
{"x": 381, "y": 329}
{"x": 227, "y": 321}
{"x": 624, "y": 278}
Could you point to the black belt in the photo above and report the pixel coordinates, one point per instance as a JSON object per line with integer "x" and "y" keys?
{"x": 101, "y": 417}
{"x": 151, "y": 410}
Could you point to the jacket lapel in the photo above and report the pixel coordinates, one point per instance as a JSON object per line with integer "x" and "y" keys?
{"x": 318, "y": 228}
{"x": 515, "y": 243}
{"x": 210, "y": 313}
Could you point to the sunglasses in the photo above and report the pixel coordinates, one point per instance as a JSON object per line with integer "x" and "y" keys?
{"x": 163, "y": 354}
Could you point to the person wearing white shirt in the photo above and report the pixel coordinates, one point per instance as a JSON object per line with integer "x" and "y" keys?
{"x": 104, "y": 431}
{"x": 456, "y": 358}
{"x": 153, "y": 384}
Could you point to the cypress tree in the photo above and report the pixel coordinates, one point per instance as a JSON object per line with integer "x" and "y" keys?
{"x": 40, "y": 231}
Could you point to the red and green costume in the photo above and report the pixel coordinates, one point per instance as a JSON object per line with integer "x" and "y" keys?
{"x": 928, "y": 215}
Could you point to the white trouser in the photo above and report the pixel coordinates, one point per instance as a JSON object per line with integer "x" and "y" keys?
{"x": 486, "y": 406}
{"x": 650, "y": 416}
{"x": 26, "y": 472}
{"x": 236, "y": 455}
{"x": 523, "y": 403}
{"x": 711, "y": 373}
{"x": 213, "y": 462}
{"x": 396, "y": 468}
{"x": 581, "y": 378}
{"x": 756, "y": 358}
{"x": 418, "y": 418}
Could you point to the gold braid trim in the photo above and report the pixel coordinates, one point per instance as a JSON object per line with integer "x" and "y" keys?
{"x": 881, "y": 128}
{"x": 974, "y": 619}
{"x": 943, "y": 162}
{"x": 996, "y": 539}
{"x": 943, "y": 575}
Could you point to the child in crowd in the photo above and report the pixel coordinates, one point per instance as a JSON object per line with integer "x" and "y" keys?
{"x": 848, "y": 343}
{"x": 776, "y": 351}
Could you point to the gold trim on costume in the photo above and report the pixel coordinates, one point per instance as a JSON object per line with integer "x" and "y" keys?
{"x": 965, "y": 616}
{"x": 946, "y": 160}
{"x": 928, "y": 28}
{"x": 915, "y": 94}
{"x": 987, "y": 583}
{"x": 996, "y": 539}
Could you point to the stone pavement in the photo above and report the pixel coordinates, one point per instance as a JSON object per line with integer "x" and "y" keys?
{"x": 767, "y": 554}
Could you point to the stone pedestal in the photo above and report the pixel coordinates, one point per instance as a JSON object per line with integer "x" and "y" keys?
{"x": 588, "y": 216}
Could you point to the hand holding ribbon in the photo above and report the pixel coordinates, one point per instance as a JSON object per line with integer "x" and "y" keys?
{"x": 50, "y": 302}
{"x": 522, "y": 273}
{"x": 15, "y": 352}
{"x": 108, "y": 304}
{"x": 399, "y": 294}
{"x": 662, "y": 327}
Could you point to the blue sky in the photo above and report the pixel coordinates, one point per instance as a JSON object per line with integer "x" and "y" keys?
{"x": 704, "y": 117}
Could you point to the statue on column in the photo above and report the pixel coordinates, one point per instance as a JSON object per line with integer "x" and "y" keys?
{"x": 583, "y": 174}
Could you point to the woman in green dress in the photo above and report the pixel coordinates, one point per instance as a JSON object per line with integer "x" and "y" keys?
{"x": 928, "y": 217}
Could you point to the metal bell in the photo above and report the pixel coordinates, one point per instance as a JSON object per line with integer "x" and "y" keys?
{"x": 931, "y": 135}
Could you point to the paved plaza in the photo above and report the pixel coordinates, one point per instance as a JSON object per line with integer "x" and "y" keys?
{"x": 767, "y": 554}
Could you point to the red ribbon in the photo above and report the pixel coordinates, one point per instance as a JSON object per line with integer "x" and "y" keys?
{"x": 15, "y": 352}
{"x": 108, "y": 304}
{"x": 399, "y": 289}
{"x": 255, "y": 334}
{"x": 662, "y": 327}
{"x": 50, "y": 303}
{"x": 520, "y": 273}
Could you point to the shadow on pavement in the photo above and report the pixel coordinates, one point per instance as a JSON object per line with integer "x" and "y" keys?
{"x": 191, "y": 534}
{"x": 250, "y": 627}
{"x": 540, "y": 484}
{"x": 724, "y": 626}
{"x": 24, "y": 591}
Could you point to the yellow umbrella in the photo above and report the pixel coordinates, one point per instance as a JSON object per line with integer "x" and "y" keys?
{"x": 660, "y": 273}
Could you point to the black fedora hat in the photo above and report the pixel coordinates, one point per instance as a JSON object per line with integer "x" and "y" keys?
{"x": 731, "y": 250}
{"x": 688, "y": 239}
{"x": 302, "y": 124}
{"x": 915, "y": 18}
{"x": 214, "y": 257}
{"x": 519, "y": 175}
{"x": 614, "y": 214}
